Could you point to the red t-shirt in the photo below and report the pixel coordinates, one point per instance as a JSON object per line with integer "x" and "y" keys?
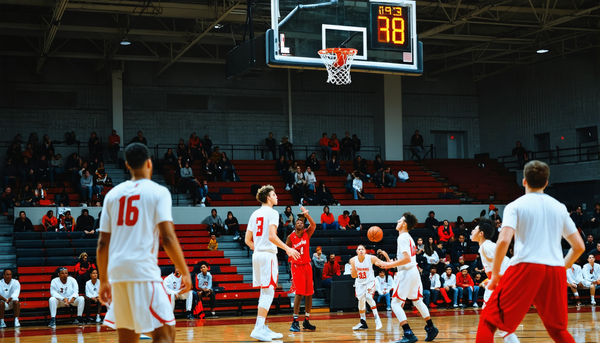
{"x": 343, "y": 221}
{"x": 324, "y": 141}
{"x": 327, "y": 218}
{"x": 52, "y": 221}
{"x": 462, "y": 281}
{"x": 329, "y": 270}
{"x": 302, "y": 245}
{"x": 114, "y": 139}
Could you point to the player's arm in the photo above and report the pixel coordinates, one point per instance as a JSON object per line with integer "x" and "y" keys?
{"x": 385, "y": 254}
{"x": 392, "y": 264}
{"x": 104, "y": 293}
{"x": 311, "y": 223}
{"x": 376, "y": 261}
{"x": 249, "y": 240}
{"x": 502, "y": 245}
{"x": 293, "y": 253}
{"x": 173, "y": 249}
{"x": 288, "y": 241}
{"x": 353, "y": 271}
{"x": 577, "y": 248}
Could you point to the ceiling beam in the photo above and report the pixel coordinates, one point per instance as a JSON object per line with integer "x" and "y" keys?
{"x": 57, "y": 13}
{"x": 498, "y": 8}
{"x": 463, "y": 19}
{"x": 90, "y": 56}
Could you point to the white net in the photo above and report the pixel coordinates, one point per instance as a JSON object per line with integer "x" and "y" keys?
{"x": 338, "y": 63}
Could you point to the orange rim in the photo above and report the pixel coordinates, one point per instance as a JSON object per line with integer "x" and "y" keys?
{"x": 342, "y": 54}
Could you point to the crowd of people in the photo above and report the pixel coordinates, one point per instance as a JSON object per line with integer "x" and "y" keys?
{"x": 64, "y": 222}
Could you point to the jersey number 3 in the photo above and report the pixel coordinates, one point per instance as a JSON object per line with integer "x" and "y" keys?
{"x": 259, "y": 226}
{"x": 127, "y": 210}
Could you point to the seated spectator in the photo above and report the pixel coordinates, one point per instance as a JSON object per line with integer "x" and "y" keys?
{"x": 85, "y": 222}
{"x": 354, "y": 223}
{"x": 282, "y": 168}
{"x": 232, "y": 226}
{"x": 92, "y": 286}
{"x": 7, "y": 200}
{"x": 28, "y": 152}
{"x": 67, "y": 223}
{"x": 214, "y": 222}
{"x": 384, "y": 285}
{"x": 577, "y": 217}
{"x": 194, "y": 144}
{"x": 205, "y": 286}
{"x": 590, "y": 274}
{"x": 450, "y": 286}
{"x": 402, "y": 176}
{"x": 389, "y": 180}
{"x": 596, "y": 215}
{"x": 40, "y": 196}
{"x": 56, "y": 167}
{"x": 50, "y": 222}
{"x": 172, "y": 284}
{"x": 271, "y": 144}
{"x": 589, "y": 244}
{"x": 10, "y": 290}
{"x": 114, "y": 145}
{"x": 357, "y": 187}
{"x": 182, "y": 149}
{"x": 334, "y": 144}
{"x": 361, "y": 165}
{"x": 42, "y": 169}
{"x": 330, "y": 269}
{"x": 445, "y": 232}
{"x": 435, "y": 288}
{"x": 426, "y": 283}
{"x": 324, "y": 195}
{"x": 191, "y": 184}
{"x": 95, "y": 147}
{"x": 139, "y": 139}
{"x": 356, "y": 145}
{"x": 477, "y": 266}
{"x": 312, "y": 162}
{"x": 216, "y": 155}
{"x": 86, "y": 186}
{"x": 310, "y": 178}
{"x": 344, "y": 220}
{"x": 47, "y": 147}
{"x": 346, "y": 148}
{"x": 431, "y": 255}
{"x": 521, "y": 154}
{"x": 574, "y": 281}
{"x": 378, "y": 164}
{"x": 327, "y": 220}
{"x": 207, "y": 143}
{"x": 324, "y": 144}
{"x": 416, "y": 144}
{"x": 62, "y": 198}
{"x": 27, "y": 170}
{"x": 298, "y": 187}
{"x": 74, "y": 166}
{"x": 432, "y": 223}
{"x": 319, "y": 259}
{"x": 10, "y": 172}
{"x": 14, "y": 151}
{"x": 291, "y": 172}
{"x": 64, "y": 292}
{"x": 286, "y": 147}
{"x": 287, "y": 219}
{"x": 227, "y": 169}
{"x": 465, "y": 281}
{"x": 170, "y": 158}
{"x": 23, "y": 223}
{"x": 71, "y": 138}
{"x": 26, "y": 198}
{"x": 210, "y": 170}
{"x": 212, "y": 244}
{"x": 82, "y": 269}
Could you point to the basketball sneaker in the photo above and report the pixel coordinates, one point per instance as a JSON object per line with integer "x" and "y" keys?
{"x": 361, "y": 326}
{"x": 273, "y": 334}
{"x": 2, "y": 324}
{"x": 17, "y": 324}
{"x": 593, "y": 302}
{"x": 475, "y": 304}
{"x": 98, "y": 319}
{"x": 432, "y": 333}
{"x": 512, "y": 338}
{"x": 408, "y": 338}
{"x": 378, "y": 324}
{"x": 52, "y": 322}
{"x": 295, "y": 326}
{"x": 261, "y": 333}
{"x": 306, "y": 325}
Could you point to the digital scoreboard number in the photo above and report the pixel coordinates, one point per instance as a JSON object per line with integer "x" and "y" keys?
{"x": 390, "y": 27}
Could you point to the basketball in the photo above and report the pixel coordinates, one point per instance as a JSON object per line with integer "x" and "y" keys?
{"x": 375, "y": 234}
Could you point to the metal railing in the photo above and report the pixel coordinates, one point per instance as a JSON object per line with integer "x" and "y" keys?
{"x": 428, "y": 150}
{"x": 581, "y": 153}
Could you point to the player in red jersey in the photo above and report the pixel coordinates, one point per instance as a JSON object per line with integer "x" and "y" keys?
{"x": 302, "y": 275}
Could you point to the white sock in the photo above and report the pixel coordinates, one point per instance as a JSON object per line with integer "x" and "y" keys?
{"x": 260, "y": 321}
{"x": 363, "y": 316}
{"x": 576, "y": 294}
{"x": 1, "y": 321}
{"x": 374, "y": 309}
{"x": 306, "y": 315}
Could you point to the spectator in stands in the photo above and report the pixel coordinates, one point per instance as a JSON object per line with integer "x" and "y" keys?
{"x": 188, "y": 182}
{"x": 445, "y": 232}
{"x": 286, "y": 147}
{"x": 389, "y": 180}
{"x": 207, "y": 143}
{"x": 450, "y": 286}
{"x": 92, "y": 286}
{"x": 312, "y": 162}
{"x": 86, "y": 186}
{"x": 521, "y": 154}
{"x": 68, "y": 222}
{"x": 139, "y": 139}
{"x": 577, "y": 217}
{"x": 172, "y": 284}
{"x": 82, "y": 269}
{"x": 74, "y": 165}
{"x": 182, "y": 149}
{"x": 319, "y": 259}
{"x": 361, "y": 165}
{"x": 10, "y": 172}
{"x": 40, "y": 196}
{"x": 170, "y": 158}
{"x": 205, "y": 287}
{"x": 23, "y": 223}
{"x": 282, "y": 168}
{"x": 596, "y": 251}
{"x": 94, "y": 147}
{"x": 50, "y": 222}
{"x": 271, "y": 144}
{"x": 357, "y": 187}
{"x": 194, "y": 144}
{"x": 346, "y": 148}
{"x": 403, "y": 176}
{"x": 324, "y": 195}
{"x": 431, "y": 222}
{"x": 298, "y": 187}
{"x": 85, "y": 223}
{"x": 334, "y": 144}
{"x": 7, "y": 200}
{"x": 214, "y": 222}
{"x": 210, "y": 170}
{"x": 10, "y": 290}
{"x": 227, "y": 169}
{"x": 356, "y": 145}
{"x": 27, "y": 170}
{"x": 310, "y": 178}
{"x": 330, "y": 269}
{"x": 574, "y": 281}
{"x": 232, "y": 226}
{"x": 465, "y": 281}
{"x": 114, "y": 145}
{"x": 47, "y": 148}
{"x": 42, "y": 169}
{"x": 420, "y": 246}
{"x": 431, "y": 255}
{"x": 287, "y": 219}
{"x": 14, "y": 151}
{"x": 334, "y": 168}
{"x": 589, "y": 244}
{"x": 327, "y": 220}
{"x": 102, "y": 178}
{"x": 291, "y": 175}
{"x": 590, "y": 274}
{"x": 384, "y": 285}
{"x": 64, "y": 292}
{"x": 56, "y": 167}
{"x": 26, "y": 197}
{"x": 28, "y": 152}
{"x": 213, "y": 245}
{"x": 416, "y": 145}
{"x": 477, "y": 266}
{"x": 436, "y": 288}
{"x": 324, "y": 144}
{"x": 344, "y": 220}
{"x": 71, "y": 138}
{"x": 354, "y": 223}
{"x": 62, "y": 199}
{"x": 596, "y": 215}
{"x": 493, "y": 213}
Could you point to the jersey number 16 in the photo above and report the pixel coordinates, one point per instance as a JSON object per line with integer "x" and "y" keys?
{"x": 131, "y": 212}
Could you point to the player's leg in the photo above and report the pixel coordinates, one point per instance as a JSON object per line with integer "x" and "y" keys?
{"x": 362, "y": 309}
{"x": 3, "y": 304}
{"x": 126, "y": 335}
{"x": 308, "y": 295}
{"x": 593, "y": 294}
{"x": 265, "y": 273}
{"x": 551, "y": 303}
{"x": 297, "y": 301}
{"x": 575, "y": 294}
{"x": 189, "y": 300}
{"x": 80, "y": 303}
{"x": 163, "y": 334}
{"x": 53, "y": 304}
{"x": 373, "y": 304}
{"x": 16, "y": 306}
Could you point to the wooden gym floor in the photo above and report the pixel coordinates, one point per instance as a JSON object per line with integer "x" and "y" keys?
{"x": 454, "y": 326}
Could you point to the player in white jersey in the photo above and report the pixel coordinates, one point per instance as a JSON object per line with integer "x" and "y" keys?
{"x": 482, "y": 234}
{"x": 172, "y": 285}
{"x": 409, "y": 284}
{"x": 261, "y": 236}
{"x": 135, "y": 216}
{"x": 10, "y": 290}
{"x": 365, "y": 285}
{"x": 538, "y": 223}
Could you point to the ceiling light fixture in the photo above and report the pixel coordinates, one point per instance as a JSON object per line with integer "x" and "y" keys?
{"x": 125, "y": 41}
{"x": 218, "y": 26}
{"x": 542, "y": 51}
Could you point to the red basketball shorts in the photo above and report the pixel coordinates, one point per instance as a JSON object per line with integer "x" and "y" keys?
{"x": 302, "y": 279}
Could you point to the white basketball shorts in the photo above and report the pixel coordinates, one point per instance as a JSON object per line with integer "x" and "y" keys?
{"x": 265, "y": 269}
{"x": 409, "y": 285}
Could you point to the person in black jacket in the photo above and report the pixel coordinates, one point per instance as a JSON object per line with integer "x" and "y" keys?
{"x": 432, "y": 223}
{"x": 324, "y": 195}
{"x": 85, "y": 222}
{"x": 271, "y": 144}
{"x": 356, "y": 145}
{"x": 23, "y": 223}
{"x": 416, "y": 145}
{"x": 459, "y": 248}
{"x": 346, "y": 147}
{"x": 361, "y": 165}
{"x": 312, "y": 162}
{"x": 426, "y": 285}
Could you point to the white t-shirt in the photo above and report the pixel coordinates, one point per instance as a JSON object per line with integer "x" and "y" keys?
{"x": 172, "y": 284}
{"x": 435, "y": 281}
{"x": 12, "y": 290}
{"x": 131, "y": 214}
{"x": 433, "y": 259}
{"x": 60, "y": 290}
{"x": 590, "y": 274}
{"x": 574, "y": 274}
{"x": 540, "y": 222}
{"x": 406, "y": 244}
{"x": 383, "y": 286}
{"x": 91, "y": 290}
{"x": 487, "y": 252}
{"x": 364, "y": 270}
{"x": 259, "y": 226}
{"x": 449, "y": 280}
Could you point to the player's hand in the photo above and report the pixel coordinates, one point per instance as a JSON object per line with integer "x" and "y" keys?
{"x": 303, "y": 210}
{"x": 105, "y": 293}
{"x": 186, "y": 282}
{"x": 293, "y": 253}
{"x": 385, "y": 265}
{"x": 493, "y": 282}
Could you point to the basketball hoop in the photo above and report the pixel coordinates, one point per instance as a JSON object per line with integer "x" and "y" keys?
{"x": 338, "y": 62}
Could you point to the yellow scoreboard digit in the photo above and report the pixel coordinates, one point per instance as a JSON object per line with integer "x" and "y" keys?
{"x": 389, "y": 27}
